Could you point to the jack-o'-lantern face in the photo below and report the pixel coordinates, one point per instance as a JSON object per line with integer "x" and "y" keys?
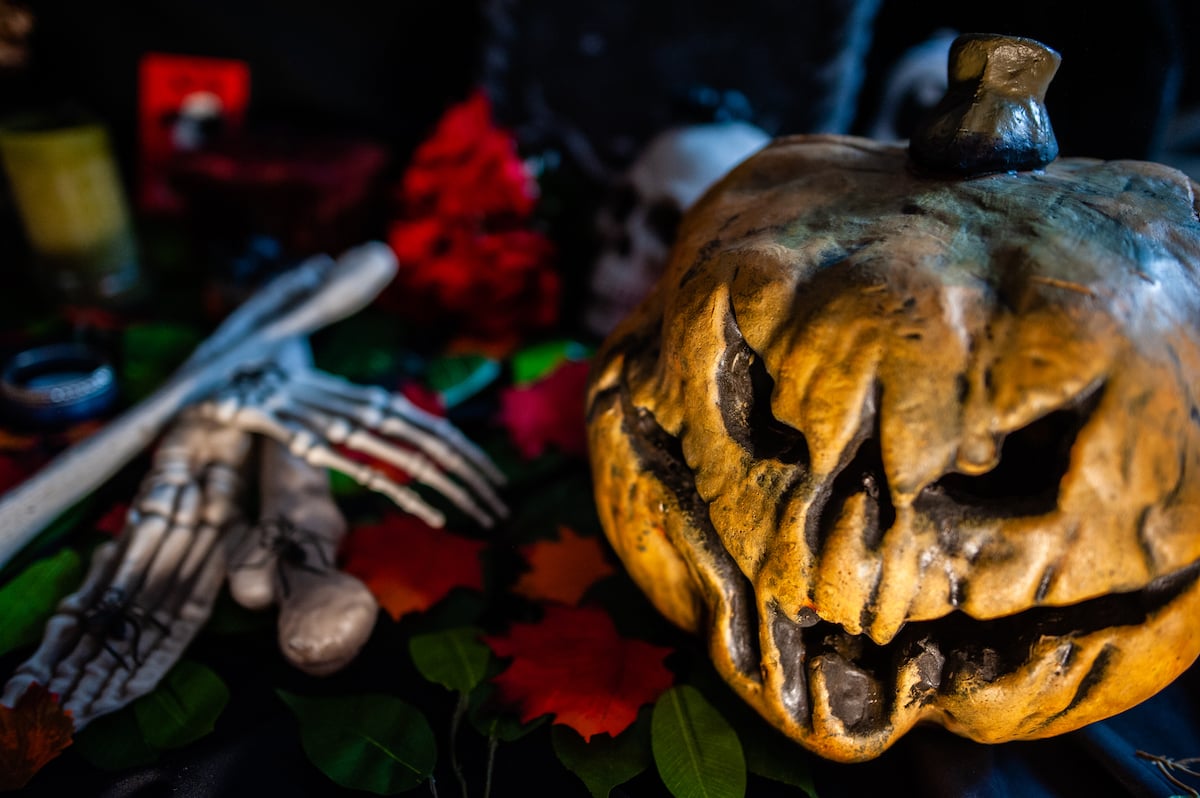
{"x": 912, "y": 448}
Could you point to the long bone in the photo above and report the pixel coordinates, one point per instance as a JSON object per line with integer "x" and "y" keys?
{"x": 316, "y": 293}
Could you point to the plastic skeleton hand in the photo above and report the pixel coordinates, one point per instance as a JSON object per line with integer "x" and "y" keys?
{"x": 311, "y": 413}
{"x": 293, "y": 304}
{"x": 325, "y": 615}
{"x": 147, "y": 595}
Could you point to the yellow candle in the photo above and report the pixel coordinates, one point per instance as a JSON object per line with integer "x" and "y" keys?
{"x": 69, "y": 195}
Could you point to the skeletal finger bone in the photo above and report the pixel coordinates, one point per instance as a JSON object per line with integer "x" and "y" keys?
{"x": 64, "y": 628}
{"x": 266, "y": 419}
{"x": 165, "y": 631}
{"x": 147, "y": 595}
{"x": 374, "y": 408}
{"x": 312, "y": 413}
{"x": 313, "y": 295}
{"x": 252, "y": 564}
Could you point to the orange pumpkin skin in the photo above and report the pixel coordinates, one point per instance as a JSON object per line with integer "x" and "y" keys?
{"x": 910, "y": 449}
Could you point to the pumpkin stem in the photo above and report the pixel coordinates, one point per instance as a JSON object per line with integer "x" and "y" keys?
{"x": 993, "y": 117}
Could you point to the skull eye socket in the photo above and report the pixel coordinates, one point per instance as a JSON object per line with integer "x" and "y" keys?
{"x": 663, "y": 218}
{"x": 1033, "y": 461}
{"x": 621, "y": 202}
{"x": 623, "y": 246}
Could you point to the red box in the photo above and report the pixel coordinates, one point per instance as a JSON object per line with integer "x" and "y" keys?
{"x": 185, "y": 103}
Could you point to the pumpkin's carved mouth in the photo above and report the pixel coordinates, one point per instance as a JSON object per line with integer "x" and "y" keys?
{"x": 861, "y": 680}
{"x": 860, "y": 676}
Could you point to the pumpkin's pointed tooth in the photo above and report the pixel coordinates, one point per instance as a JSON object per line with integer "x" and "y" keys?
{"x": 849, "y": 570}
{"x": 917, "y": 685}
{"x": 899, "y": 582}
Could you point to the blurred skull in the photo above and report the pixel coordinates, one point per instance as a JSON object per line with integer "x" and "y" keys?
{"x": 637, "y": 227}
{"x": 914, "y": 84}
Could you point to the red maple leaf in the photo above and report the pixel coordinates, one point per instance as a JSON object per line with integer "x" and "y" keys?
{"x": 32, "y": 733}
{"x": 548, "y": 413}
{"x": 408, "y": 565}
{"x": 423, "y": 397}
{"x": 575, "y": 666}
{"x": 562, "y": 570}
{"x": 113, "y": 522}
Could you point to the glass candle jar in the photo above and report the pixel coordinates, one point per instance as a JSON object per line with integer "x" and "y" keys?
{"x": 68, "y": 193}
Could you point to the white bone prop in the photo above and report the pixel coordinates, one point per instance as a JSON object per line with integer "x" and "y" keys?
{"x": 670, "y": 174}
{"x": 147, "y": 595}
{"x": 314, "y": 294}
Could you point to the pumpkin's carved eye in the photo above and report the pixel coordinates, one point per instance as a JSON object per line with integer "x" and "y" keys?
{"x": 660, "y": 453}
{"x": 1033, "y": 461}
{"x": 744, "y": 396}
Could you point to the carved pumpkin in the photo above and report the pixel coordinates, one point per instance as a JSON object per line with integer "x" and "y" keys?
{"x": 911, "y": 446}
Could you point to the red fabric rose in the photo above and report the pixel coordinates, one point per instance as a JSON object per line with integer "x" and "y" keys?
{"x": 549, "y": 413}
{"x": 467, "y": 253}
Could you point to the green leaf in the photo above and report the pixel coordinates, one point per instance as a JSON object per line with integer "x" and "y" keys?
{"x": 363, "y": 348}
{"x": 343, "y": 486}
{"x": 604, "y": 762}
{"x": 369, "y": 742}
{"x": 456, "y": 658}
{"x": 496, "y": 723}
{"x": 115, "y": 742}
{"x": 152, "y": 351}
{"x": 230, "y": 618}
{"x": 28, "y": 601}
{"x": 183, "y": 708}
{"x": 697, "y": 752}
{"x": 772, "y": 755}
{"x": 534, "y": 362}
{"x": 769, "y": 753}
